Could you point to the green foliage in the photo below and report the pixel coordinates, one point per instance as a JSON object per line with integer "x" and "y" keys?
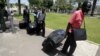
{"x": 2, "y": 3}
{"x": 69, "y": 7}
{"x": 41, "y": 3}
{"x": 61, "y": 4}
{"x": 35, "y": 2}
{"x": 54, "y": 7}
{"x": 47, "y": 3}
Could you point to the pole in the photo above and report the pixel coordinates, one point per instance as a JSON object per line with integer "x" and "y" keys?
{"x": 19, "y": 6}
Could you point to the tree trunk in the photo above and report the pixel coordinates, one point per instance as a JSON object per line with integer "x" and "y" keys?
{"x": 93, "y": 7}
{"x": 19, "y": 6}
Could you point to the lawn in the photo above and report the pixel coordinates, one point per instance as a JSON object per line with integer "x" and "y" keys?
{"x": 59, "y": 21}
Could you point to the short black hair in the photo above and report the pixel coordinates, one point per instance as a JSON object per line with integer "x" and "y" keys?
{"x": 43, "y": 10}
{"x": 84, "y": 4}
{"x": 26, "y": 7}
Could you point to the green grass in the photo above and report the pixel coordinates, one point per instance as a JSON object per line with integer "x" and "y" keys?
{"x": 93, "y": 29}
{"x": 59, "y": 21}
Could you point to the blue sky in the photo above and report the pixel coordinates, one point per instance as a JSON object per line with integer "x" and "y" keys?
{"x": 22, "y": 1}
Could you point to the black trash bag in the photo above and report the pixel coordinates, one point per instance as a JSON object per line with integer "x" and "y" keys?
{"x": 31, "y": 28}
{"x": 23, "y": 25}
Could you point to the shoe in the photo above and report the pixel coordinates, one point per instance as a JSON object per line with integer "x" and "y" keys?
{"x": 70, "y": 55}
{"x": 43, "y": 36}
{"x": 61, "y": 54}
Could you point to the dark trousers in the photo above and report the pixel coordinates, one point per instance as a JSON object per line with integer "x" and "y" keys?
{"x": 27, "y": 19}
{"x": 2, "y": 24}
{"x": 70, "y": 42}
{"x": 40, "y": 28}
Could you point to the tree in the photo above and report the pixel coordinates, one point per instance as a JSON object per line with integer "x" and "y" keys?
{"x": 2, "y": 21}
{"x": 93, "y": 7}
{"x": 35, "y": 2}
{"x": 19, "y": 6}
{"x": 61, "y": 4}
{"x": 47, "y": 3}
{"x": 3, "y": 2}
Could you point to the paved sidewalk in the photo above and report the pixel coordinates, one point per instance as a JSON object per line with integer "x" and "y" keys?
{"x": 98, "y": 52}
{"x": 21, "y": 44}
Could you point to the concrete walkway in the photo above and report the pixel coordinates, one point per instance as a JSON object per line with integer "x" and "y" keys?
{"x": 21, "y": 44}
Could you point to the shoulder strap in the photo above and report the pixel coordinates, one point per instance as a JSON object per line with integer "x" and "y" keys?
{"x": 83, "y": 20}
{"x": 84, "y": 24}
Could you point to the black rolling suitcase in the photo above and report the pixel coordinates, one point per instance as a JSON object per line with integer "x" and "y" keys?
{"x": 53, "y": 40}
{"x": 22, "y": 25}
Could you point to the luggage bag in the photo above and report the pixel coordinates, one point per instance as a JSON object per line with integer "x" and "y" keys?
{"x": 53, "y": 40}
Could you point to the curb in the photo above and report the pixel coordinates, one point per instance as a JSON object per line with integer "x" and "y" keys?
{"x": 98, "y": 51}
{"x": 93, "y": 42}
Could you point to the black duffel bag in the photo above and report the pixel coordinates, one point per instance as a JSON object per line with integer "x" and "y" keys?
{"x": 80, "y": 34}
{"x": 22, "y": 25}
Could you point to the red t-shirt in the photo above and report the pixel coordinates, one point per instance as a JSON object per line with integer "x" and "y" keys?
{"x": 77, "y": 19}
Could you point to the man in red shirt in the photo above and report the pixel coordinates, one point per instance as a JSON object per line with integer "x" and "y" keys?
{"x": 75, "y": 22}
